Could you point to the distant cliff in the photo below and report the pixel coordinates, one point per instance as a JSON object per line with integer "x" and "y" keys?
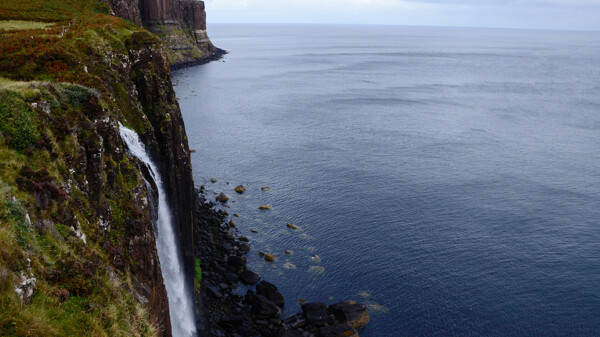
{"x": 181, "y": 24}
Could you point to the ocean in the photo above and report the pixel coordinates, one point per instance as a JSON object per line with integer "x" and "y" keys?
{"x": 447, "y": 177}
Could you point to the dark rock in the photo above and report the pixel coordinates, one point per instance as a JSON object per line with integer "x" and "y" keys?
{"x": 214, "y": 291}
{"x": 244, "y": 248}
{"x": 300, "y": 323}
{"x": 351, "y": 312}
{"x": 340, "y": 330}
{"x": 217, "y": 333}
{"x": 315, "y": 313}
{"x": 237, "y": 263}
{"x": 289, "y": 333}
{"x": 249, "y": 277}
{"x": 231, "y": 277}
{"x": 243, "y": 238}
{"x": 240, "y": 189}
{"x": 226, "y": 247}
{"x": 290, "y": 319}
{"x": 233, "y": 321}
{"x": 262, "y": 308}
{"x": 271, "y": 292}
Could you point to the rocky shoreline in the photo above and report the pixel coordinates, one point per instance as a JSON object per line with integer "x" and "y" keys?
{"x": 257, "y": 313}
{"x": 217, "y": 55}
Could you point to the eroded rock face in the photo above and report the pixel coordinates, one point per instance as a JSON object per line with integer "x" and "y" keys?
{"x": 190, "y": 13}
{"x": 180, "y": 23}
{"x": 167, "y": 140}
{"x": 126, "y": 9}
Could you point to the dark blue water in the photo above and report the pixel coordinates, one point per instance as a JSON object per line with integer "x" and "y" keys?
{"x": 450, "y": 178}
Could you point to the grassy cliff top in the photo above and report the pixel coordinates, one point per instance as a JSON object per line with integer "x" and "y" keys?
{"x": 50, "y": 39}
{"x": 63, "y": 65}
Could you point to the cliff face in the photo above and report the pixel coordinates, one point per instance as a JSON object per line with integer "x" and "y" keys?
{"x": 181, "y": 24}
{"x": 76, "y": 233}
{"x": 167, "y": 139}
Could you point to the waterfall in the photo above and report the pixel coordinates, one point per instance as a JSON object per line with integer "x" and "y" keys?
{"x": 180, "y": 304}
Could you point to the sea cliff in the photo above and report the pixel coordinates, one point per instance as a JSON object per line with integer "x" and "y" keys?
{"x": 78, "y": 212}
{"x": 78, "y": 253}
{"x": 181, "y": 25}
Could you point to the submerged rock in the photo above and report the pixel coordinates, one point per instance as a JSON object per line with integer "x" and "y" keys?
{"x": 317, "y": 270}
{"x": 289, "y": 265}
{"x": 222, "y": 197}
{"x": 212, "y": 180}
{"x": 292, "y": 226}
{"x": 265, "y": 188}
{"x": 240, "y": 189}
{"x": 264, "y": 207}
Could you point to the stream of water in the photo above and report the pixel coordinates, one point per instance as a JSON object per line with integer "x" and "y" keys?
{"x": 180, "y": 304}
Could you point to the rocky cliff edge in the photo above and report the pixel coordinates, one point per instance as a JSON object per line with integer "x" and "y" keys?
{"x": 181, "y": 24}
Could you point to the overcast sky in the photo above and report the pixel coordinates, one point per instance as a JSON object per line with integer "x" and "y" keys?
{"x": 540, "y": 14}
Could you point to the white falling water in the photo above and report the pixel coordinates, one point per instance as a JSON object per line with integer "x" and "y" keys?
{"x": 180, "y": 304}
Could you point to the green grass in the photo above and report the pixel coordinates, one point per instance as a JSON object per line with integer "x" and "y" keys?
{"x": 23, "y": 25}
{"x": 17, "y": 121}
{"x": 198, "y": 278}
{"x": 49, "y": 68}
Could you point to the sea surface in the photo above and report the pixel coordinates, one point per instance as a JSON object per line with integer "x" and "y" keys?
{"x": 447, "y": 177}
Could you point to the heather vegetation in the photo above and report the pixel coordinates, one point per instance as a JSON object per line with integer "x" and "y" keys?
{"x": 66, "y": 211}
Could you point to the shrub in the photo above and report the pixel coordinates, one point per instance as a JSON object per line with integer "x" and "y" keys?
{"x": 17, "y": 121}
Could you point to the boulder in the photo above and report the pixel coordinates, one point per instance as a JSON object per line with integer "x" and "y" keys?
{"x": 222, "y": 197}
{"x": 315, "y": 313}
{"x": 339, "y": 330}
{"x": 262, "y": 308}
{"x": 249, "y": 277}
{"x": 269, "y": 257}
{"x": 240, "y": 189}
{"x": 237, "y": 263}
{"x": 350, "y": 312}
{"x": 271, "y": 292}
{"x": 292, "y": 226}
{"x": 264, "y": 207}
